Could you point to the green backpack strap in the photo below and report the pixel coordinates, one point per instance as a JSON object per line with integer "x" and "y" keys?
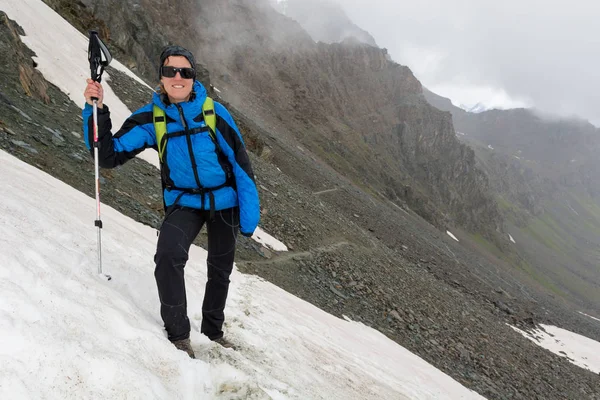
{"x": 210, "y": 118}
{"x": 160, "y": 127}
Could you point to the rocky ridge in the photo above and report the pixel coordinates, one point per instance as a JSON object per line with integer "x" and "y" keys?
{"x": 315, "y": 98}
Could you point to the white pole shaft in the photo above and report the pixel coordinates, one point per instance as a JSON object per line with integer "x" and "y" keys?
{"x": 97, "y": 171}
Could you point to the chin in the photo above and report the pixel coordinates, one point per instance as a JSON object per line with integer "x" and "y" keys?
{"x": 179, "y": 97}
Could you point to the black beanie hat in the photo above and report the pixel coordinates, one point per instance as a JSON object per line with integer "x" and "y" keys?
{"x": 173, "y": 50}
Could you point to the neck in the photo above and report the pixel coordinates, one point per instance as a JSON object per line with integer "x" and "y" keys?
{"x": 176, "y": 101}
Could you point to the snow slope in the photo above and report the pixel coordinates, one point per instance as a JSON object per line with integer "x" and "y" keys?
{"x": 68, "y": 334}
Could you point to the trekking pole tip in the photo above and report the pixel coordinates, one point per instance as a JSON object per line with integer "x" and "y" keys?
{"x": 105, "y": 277}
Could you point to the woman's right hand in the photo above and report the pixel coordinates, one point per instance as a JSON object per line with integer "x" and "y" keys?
{"x": 93, "y": 89}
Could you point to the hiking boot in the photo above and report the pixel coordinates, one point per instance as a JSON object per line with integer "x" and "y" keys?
{"x": 225, "y": 343}
{"x": 185, "y": 345}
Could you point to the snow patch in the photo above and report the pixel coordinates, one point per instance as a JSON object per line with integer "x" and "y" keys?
{"x": 475, "y": 109}
{"x": 589, "y": 316}
{"x": 490, "y": 147}
{"x": 264, "y": 238}
{"x": 572, "y": 209}
{"x": 579, "y": 350}
{"x": 511, "y": 238}
{"x": 120, "y": 67}
{"x": 452, "y": 236}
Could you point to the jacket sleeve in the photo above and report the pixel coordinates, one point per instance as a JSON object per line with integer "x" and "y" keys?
{"x": 233, "y": 146}
{"x": 136, "y": 134}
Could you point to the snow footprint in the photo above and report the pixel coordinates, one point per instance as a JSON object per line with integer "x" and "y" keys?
{"x": 234, "y": 390}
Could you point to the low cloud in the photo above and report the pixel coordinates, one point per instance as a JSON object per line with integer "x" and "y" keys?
{"x": 544, "y": 54}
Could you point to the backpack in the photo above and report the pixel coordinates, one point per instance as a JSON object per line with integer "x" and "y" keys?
{"x": 210, "y": 119}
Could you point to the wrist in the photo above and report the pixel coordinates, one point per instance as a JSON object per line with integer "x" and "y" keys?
{"x": 103, "y": 109}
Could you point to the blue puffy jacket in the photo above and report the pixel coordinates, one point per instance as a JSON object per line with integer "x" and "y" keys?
{"x": 137, "y": 134}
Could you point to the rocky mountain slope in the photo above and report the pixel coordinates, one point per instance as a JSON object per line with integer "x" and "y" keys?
{"x": 345, "y": 104}
{"x": 545, "y": 175}
{"x": 353, "y": 251}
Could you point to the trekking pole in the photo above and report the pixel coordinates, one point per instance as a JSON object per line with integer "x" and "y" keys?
{"x": 99, "y": 57}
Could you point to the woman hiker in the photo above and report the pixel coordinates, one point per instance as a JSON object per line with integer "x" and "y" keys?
{"x": 206, "y": 176}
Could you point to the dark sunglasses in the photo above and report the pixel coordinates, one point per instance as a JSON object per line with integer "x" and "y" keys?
{"x": 170, "y": 72}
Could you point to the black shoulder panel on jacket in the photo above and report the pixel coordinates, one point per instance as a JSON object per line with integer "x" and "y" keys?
{"x": 135, "y": 120}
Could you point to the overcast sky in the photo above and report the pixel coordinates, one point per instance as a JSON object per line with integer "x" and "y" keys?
{"x": 501, "y": 53}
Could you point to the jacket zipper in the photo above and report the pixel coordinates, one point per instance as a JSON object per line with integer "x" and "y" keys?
{"x": 189, "y": 143}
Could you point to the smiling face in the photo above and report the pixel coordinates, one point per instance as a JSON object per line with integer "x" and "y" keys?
{"x": 177, "y": 88}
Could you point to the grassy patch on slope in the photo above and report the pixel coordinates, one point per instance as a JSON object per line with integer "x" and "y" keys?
{"x": 546, "y": 231}
{"x": 489, "y": 246}
{"x": 539, "y": 278}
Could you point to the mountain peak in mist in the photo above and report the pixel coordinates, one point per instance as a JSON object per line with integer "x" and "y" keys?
{"x": 325, "y": 21}
{"x": 475, "y": 109}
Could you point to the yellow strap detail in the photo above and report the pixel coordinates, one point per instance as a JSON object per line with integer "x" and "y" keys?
{"x": 160, "y": 127}
{"x": 210, "y": 117}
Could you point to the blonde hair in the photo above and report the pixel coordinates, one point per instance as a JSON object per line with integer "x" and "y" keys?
{"x": 161, "y": 88}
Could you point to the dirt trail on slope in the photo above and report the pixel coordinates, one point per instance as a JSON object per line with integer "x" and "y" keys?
{"x": 297, "y": 255}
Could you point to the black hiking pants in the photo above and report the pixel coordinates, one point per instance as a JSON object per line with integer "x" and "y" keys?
{"x": 178, "y": 231}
